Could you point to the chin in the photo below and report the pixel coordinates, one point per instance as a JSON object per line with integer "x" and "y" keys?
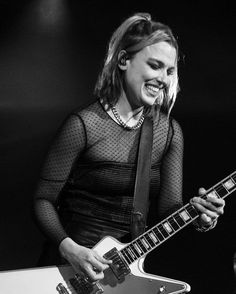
{"x": 148, "y": 101}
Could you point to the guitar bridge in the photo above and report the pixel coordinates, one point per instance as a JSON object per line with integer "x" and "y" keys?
{"x": 119, "y": 266}
{"x": 83, "y": 286}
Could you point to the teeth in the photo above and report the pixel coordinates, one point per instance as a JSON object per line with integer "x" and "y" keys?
{"x": 152, "y": 88}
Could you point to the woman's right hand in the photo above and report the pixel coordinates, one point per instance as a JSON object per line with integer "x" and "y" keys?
{"x": 84, "y": 260}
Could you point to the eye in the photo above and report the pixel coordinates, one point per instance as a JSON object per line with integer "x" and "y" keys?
{"x": 170, "y": 71}
{"x": 154, "y": 66}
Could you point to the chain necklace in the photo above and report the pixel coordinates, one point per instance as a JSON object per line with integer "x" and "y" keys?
{"x": 123, "y": 124}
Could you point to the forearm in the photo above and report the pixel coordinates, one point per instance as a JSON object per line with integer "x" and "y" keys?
{"x": 48, "y": 221}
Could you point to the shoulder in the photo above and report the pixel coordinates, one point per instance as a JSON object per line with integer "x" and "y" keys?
{"x": 171, "y": 128}
{"x": 87, "y": 109}
{"x": 175, "y": 137}
{"x": 175, "y": 127}
{"x": 76, "y": 118}
{"x": 91, "y": 116}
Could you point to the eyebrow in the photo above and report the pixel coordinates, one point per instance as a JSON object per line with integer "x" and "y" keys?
{"x": 160, "y": 62}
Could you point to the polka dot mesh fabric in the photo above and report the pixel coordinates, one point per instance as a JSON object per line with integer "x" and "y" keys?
{"x": 89, "y": 174}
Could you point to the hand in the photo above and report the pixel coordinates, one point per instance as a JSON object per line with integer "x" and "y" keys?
{"x": 84, "y": 260}
{"x": 209, "y": 209}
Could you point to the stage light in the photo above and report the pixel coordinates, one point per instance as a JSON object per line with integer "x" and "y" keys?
{"x": 49, "y": 15}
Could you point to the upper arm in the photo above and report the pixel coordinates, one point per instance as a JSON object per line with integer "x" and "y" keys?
{"x": 69, "y": 142}
{"x": 172, "y": 171}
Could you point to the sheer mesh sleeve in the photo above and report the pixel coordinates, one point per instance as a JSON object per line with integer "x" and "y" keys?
{"x": 69, "y": 142}
{"x": 172, "y": 173}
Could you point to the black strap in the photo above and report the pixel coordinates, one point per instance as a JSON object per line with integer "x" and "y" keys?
{"x": 141, "y": 190}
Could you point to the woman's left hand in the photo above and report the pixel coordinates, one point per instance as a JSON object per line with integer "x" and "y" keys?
{"x": 209, "y": 209}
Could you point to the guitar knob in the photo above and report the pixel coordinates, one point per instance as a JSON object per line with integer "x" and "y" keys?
{"x": 162, "y": 290}
{"x": 61, "y": 289}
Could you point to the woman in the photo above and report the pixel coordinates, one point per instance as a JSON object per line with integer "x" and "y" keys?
{"x": 87, "y": 183}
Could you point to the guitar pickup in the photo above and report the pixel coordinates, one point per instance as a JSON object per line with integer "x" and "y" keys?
{"x": 119, "y": 267}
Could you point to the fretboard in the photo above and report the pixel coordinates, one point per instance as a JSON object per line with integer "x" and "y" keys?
{"x": 173, "y": 223}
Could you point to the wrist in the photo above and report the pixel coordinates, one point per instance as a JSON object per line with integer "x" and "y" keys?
{"x": 203, "y": 227}
{"x": 66, "y": 246}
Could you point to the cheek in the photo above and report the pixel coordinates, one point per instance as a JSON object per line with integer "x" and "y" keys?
{"x": 148, "y": 74}
{"x": 137, "y": 75}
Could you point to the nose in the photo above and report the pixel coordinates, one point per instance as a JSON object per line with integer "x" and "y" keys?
{"x": 162, "y": 78}
{"x": 164, "y": 75}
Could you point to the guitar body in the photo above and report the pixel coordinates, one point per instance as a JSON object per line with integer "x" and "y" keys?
{"x": 55, "y": 280}
{"x": 125, "y": 275}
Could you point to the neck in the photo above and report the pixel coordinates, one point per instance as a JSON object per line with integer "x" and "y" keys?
{"x": 126, "y": 110}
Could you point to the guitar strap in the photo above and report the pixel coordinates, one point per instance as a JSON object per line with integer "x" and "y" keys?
{"x": 142, "y": 181}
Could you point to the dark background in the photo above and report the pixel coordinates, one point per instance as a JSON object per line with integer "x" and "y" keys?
{"x": 50, "y": 55}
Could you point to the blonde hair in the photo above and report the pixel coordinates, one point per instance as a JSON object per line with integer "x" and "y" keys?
{"x": 135, "y": 33}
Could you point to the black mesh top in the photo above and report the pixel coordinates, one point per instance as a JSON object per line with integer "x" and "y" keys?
{"x": 87, "y": 181}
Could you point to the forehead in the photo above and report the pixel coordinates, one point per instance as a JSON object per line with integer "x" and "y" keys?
{"x": 161, "y": 51}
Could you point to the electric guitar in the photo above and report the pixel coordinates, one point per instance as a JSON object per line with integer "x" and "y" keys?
{"x": 125, "y": 275}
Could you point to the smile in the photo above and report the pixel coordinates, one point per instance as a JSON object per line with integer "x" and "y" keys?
{"x": 152, "y": 90}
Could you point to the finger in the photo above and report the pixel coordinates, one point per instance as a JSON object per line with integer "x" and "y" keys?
{"x": 206, "y": 219}
{"x": 102, "y": 259}
{"x": 214, "y": 204}
{"x": 92, "y": 274}
{"x": 202, "y": 191}
{"x": 219, "y": 207}
{"x": 212, "y": 212}
{"x": 204, "y": 203}
{"x": 78, "y": 269}
{"x": 99, "y": 267}
{"x": 218, "y": 202}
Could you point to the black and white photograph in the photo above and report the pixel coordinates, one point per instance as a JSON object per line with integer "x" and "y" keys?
{"x": 117, "y": 149}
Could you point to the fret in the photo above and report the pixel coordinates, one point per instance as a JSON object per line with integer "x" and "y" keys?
{"x": 134, "y": 250}
{"x": 131, "y": 253}
{"x": 152, "y": 244}
{"x": 205, "y": 196}
{"x": 163, "y": 231}
{"x": 168, "y": 227}
{"x": 158, "y": 234}
{"x": 192, "y": 211}
{"x": 174, "y": 224}
{"x": 144, "y": 249}
{"x": 234, "y": 177}
{"x": 137, "y": 248}
{"x": 213, "y": 193}
{"x": 221, "y": 191}
{"x": 126, "y": 256}
{"x": 185, "y": 216}
{"x": 178, "y": 219}
{"x": 145, "y": 242}
{"x": 153, "y": 237}
{"x": 229, "y": 184}
{"x": 128, "y": 253}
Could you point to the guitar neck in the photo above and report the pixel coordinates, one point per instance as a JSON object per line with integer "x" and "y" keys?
{"x": 158, "y": 234}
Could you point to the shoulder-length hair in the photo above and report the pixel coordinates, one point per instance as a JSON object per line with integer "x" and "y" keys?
{"x": 135, "y": 33}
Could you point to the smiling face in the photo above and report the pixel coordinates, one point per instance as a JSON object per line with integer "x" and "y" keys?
{"x": 148, "y": 73}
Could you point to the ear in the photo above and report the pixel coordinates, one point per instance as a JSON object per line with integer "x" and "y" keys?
{"x": 122, "y": 60}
